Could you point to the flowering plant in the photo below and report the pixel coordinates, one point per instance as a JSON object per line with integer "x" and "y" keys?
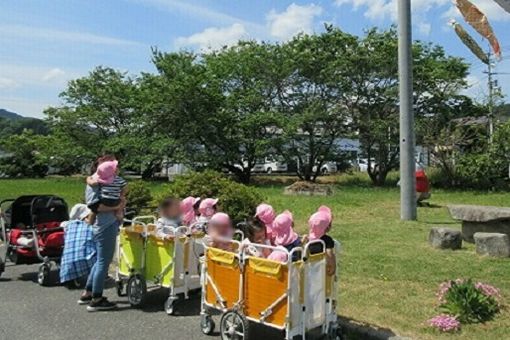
{"x": 467, "y": 301}
{"x": 464, "y": 301}
{"x": 445, "y": 323}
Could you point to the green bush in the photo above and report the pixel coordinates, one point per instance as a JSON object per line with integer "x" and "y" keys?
{"x": 237, "y": 200}
{"x": 481, "y": 171}
{"x": 138, "y": 197}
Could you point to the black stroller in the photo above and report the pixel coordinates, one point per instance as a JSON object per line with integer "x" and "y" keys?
{"x": 30, "y": 232}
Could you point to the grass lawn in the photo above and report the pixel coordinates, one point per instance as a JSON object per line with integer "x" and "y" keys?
{"x": 389, "y": 274}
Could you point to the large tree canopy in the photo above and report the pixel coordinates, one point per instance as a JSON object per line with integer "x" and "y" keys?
{"x": 228, "y": 108}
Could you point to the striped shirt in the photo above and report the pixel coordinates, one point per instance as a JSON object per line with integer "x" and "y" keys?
{"x": 112, "y": 191}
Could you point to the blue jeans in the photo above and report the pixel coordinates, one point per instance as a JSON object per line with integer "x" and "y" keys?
{"x": 104, "y": 239}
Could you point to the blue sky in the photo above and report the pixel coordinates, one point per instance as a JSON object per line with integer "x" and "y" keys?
{"x": 46, "y": 43}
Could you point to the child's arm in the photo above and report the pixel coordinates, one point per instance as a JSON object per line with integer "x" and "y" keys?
{"x": 92, "y": 181}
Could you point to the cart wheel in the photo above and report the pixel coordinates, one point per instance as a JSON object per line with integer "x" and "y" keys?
{"x": 120, "y": 288}
{"x": 136, "y": 290}
{"x": 234, "y": 326}
{"x": 207, "y": 324}
{"x": 43, "y": 276}
{"x": 169, "y": 306}
{"x": 333, "y": 333}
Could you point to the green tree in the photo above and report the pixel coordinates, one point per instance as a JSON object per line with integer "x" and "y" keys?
{"x": 220, "y": 105}
{"x": 311, "y": 99}
{"x": 374, "y": 105}
{"x": 23, "y": 157}
{"x": 106, "y": 112}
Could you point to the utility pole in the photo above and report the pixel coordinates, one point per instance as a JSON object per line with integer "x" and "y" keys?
{"x": 491, "y": 97}
{"x": 407, "y": 157}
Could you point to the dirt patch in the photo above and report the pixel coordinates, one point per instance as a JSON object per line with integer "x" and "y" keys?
{"x": 308, "y": 189}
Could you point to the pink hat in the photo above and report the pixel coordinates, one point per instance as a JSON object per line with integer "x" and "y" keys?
{"x": 187, "y": 209}
{"x": 319, "y": 223}
{"x": 278, "y": 255}
{"x": 327, "y": 211}
{"x": 282, "y": 229}
{"x": 106, "y": 171}
{"x": 206, "y": 207}
{"x": 220, "y": 218}
{"x": 265, "y": 213}
{"x": 188, "y": 203}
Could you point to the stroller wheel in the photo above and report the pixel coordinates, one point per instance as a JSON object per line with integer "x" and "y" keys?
{"x": 169, "y": 306}
{"x": 43, "y": 276}
{"x": 120, "y": 288}
{"x": 13, "y": 256}
{"x": 234, "y": 326}
{"x": 207, "y": 324}
{"x": 136, "y": 290}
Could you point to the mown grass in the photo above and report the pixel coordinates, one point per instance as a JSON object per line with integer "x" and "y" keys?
{"x": 389, "y": 274}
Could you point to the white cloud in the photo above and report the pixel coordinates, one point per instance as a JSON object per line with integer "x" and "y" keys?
{"x": 295, "y": 19}
{"x": 214, "y": 37}
{"x": 28, "y": 75}
{"x": 378, "y": 10}
{"x": 7, "y": 83}
{"x": 54, "y": 73}
{"x": 40, "y": 33}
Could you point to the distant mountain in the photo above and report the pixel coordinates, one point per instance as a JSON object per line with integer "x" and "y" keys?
{"x": 12, "y": 124}
{"x": 9, "y": 115}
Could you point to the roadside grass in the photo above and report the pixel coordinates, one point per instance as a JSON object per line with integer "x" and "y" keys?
{"x": 389, "y": 274}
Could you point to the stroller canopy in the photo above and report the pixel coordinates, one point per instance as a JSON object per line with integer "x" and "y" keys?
{"x": 31, "y": 210}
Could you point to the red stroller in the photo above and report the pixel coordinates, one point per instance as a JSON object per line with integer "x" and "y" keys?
{"x": 30, "y": 232}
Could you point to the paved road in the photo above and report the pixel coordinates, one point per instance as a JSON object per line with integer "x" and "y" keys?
{"x": 28, "y": 311}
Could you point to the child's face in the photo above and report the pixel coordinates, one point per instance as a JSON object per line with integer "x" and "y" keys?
{"x": 260, "y": 237}
{"x": 220, "y": 230}
{"x": 171, "y": 211}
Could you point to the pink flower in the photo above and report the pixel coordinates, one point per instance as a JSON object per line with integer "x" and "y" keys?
{"x": 443, "y": 289}
{"x": 488, "y": 290}
{"x": 445, "y": 323}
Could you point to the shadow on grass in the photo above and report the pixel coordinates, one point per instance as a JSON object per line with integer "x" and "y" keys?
{"x": 357, "y": 330}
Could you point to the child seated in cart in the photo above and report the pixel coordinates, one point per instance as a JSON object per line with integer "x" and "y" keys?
{"x": 320, "y": 224}
{"x": 284, "y": 236}
{"x": 265, "y": 215}
{"x": 112, "y": 189}
{"x": 256, "y": 233}
{"x": 220, "y": 231}
{"x": 189, "y": 210}
{"x": 169, "y": 218}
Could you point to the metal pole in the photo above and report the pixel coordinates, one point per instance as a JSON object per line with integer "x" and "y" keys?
{"x": 491, "y": 97}
{"x": 407, "y": 160}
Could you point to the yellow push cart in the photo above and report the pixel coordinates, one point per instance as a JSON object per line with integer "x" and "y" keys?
{"x": 292, "y": 296}
{"x": 163, "y": 262}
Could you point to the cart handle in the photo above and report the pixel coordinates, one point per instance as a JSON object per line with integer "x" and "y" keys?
{"x": 307, "y": 248}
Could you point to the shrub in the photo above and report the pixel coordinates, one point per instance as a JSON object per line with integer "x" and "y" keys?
{"x": 237, "y": 200}
{"x": 469, "y": 302}
{"x": 139, "y": 196}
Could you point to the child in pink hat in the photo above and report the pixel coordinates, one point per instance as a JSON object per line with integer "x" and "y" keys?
{"x": 320, "y": 224}
{"x": 220, "y": 229}
{"x": 207, "y": 208}
{"x": 112, "y": 188}
{"x": 188, "y": 210}
{"x": 256, "y": 233}
{"x": 284, "y": 235}
{"x": 266, "y": 215}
